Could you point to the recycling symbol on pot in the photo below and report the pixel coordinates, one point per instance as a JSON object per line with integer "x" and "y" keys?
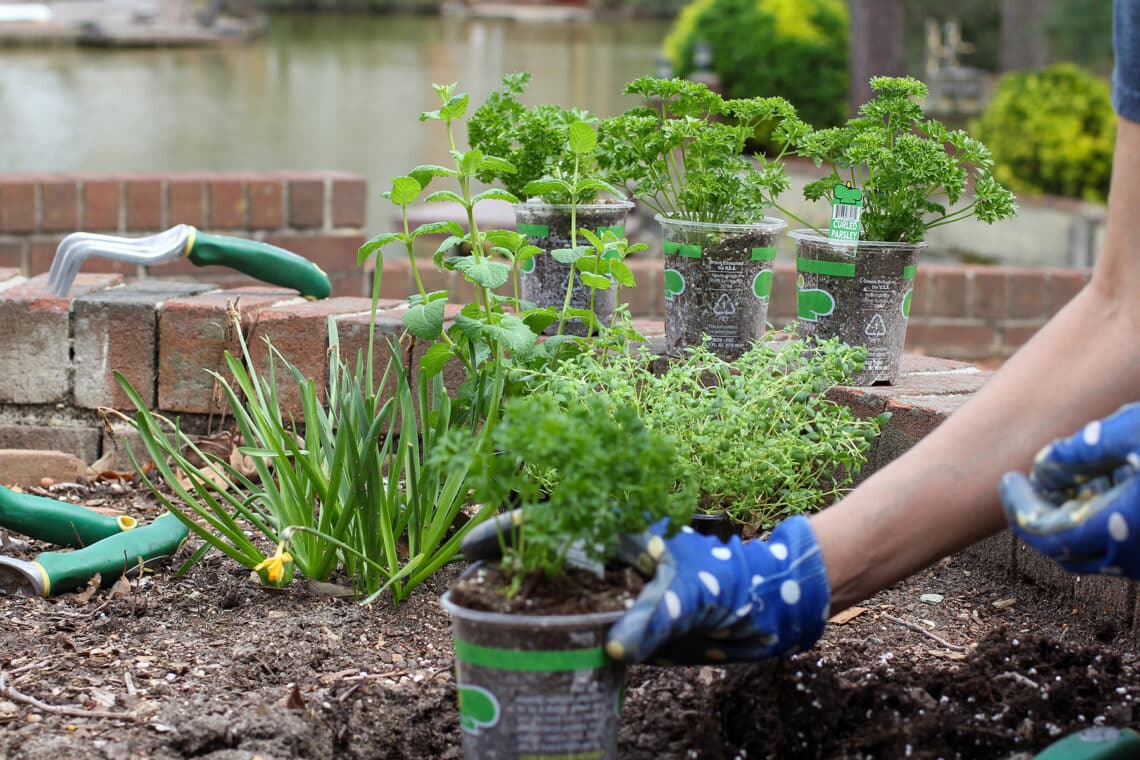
{"x": 876, "y": 328}
{"x": 478, "y": 708}
{"x": 724, "y": 306}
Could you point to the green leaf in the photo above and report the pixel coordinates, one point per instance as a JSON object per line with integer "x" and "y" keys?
{"x": 375, "y": 244}
{"x": 435, "y": 358}
{"x": 496, "y": 165}
{"x": 446, "y": 195}
{"x": 595, "y": 281}
{"x": 455, "y": 107}
{"x": 434, "y": 228}
{"x": 470, "y": 162}
{"x": 404, "y": 190}
{"x": 511, "y": 332}
{"x": 569, "y": 255}
{"x": 583, "y": 138}
{"x": 547, "y": 186}
{"x": 489, "y": 274}
{"x": 425, "y": 172}
{"x": 495, "y": 193}
{"x": 622, "y": 273}
{"x": 540, "y": 319}
{"x": 446, "y": 247}
{"x": 425, "y": 320}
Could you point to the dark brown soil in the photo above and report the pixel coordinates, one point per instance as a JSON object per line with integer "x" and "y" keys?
{"x": 868, "y": 309}
{"x": 210, "y": 665}
{"x": 716, "y": 292}
{"x": 545, "y": 284}
{"x": 574, "y": 592}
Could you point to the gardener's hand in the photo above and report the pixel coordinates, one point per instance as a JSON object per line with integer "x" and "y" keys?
{"x": 710, "y": 601}
{"x": 1081, "y": 503}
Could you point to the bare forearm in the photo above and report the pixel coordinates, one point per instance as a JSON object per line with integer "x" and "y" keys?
{"x": 942, "y": 495}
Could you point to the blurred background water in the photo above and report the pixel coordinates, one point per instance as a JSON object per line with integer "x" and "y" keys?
{"x": 319, "y": 92}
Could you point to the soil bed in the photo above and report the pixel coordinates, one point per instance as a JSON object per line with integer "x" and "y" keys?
{"x": 210, "y": 665}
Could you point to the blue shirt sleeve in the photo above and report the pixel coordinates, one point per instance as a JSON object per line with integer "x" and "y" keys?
{"x": 1126, "y": 67}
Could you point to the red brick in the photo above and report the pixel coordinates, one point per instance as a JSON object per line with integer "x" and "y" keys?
{"x": 116, "y": 330}
{"x": 299, "y": 331}
{"x": 647, "y": 298}
{"x": 102, "y": 200}
{"x": 266, "y": 204}
{"x": 12, "y": 255}
{"x": 144, "y": 203}
{"x": 228, "y": 203}
{"x": 306, "y": 202}
{"x": 396, "y": 279}
{"x": 60, "y": 206}
{"x": 187, "y": 201}
{"x": 349, "y": 201}
{"x": 432, "y": 278}
{"x": 18, "y": 205}
{"x": 988, "y": 293}
{"x": 332, "y": 253}
{"x": 193, "y": 334}
{"x": 1016, "y": 336}
{"x": 946, "y": 383}
{"x": 1064, "y": 284}
{"x": 83, "y": 442}
{"x": 26, "y": 467}
{"x": 947, "y": 291}
{"x": 1027, "y": 294}
{"x": 953, "y": 340}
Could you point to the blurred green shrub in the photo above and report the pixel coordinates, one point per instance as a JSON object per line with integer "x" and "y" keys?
{"x": 1051, "y": 131}
{"x": 793, "y": 48}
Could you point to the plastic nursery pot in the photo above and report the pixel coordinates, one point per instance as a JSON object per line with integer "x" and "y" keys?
{"x": 535, "y": 686}
{"x": 544, "y": 278}
{"x": 718, "y": 278}
{"x": 716, "y": 524}
{"x": 859, "y": 293}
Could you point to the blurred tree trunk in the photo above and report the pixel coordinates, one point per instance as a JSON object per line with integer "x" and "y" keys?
{"x": 878, "y": 45}
{"x": 1024, "y": 44}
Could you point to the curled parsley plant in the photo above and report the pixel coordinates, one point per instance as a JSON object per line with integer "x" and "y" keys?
{"x": 582, "y": 471}
{"x": 682, "y": 152}
{"x": 913, "y": 171}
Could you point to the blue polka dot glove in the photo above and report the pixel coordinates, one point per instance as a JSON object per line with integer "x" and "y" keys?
{"x": 714, "y": 602}
{"x": 1080, "y": 504}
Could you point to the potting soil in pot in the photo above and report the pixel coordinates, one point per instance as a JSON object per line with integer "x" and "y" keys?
{"x": 861, "y": 295}
{"x": 544, "y": 278}
{"x": 717, "y": 284}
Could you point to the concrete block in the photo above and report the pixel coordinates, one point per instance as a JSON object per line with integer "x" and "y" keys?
{"x": 35, "y": 355}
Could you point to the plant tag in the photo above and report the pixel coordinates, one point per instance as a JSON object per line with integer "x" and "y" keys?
{"x": 576, "y": 557}
{"x": 846, "y": 210}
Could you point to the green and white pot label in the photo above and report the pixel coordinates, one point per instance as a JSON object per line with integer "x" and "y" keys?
{"x": 829, "y": 268}
{"x": 688, "y": 250}
{"x": 846, "y": 210}
{"x": 812, "y": 303}
{"x": 531, "y": 660}
{"x": 762, "y": 284}
{"x": 527, "y": 266}
{"x": 674, "y": 284}
{"x": 766, "y": 253}
{"x": 905, "y": 308}
{"x": 534, "y": 230}
{"x": 478, "y": 709}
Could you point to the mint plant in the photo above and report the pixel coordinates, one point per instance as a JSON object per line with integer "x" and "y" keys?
{"x": 912, "y": 170}
{"x": 682, "y": 151}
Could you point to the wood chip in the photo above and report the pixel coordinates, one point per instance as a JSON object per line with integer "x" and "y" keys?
{"x": 1001, "y": 604}
{"x": 847, "y": 615}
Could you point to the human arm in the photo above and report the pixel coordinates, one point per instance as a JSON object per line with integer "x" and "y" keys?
{"x": 942, "y": 494}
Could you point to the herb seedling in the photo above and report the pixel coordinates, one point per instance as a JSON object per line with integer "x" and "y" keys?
{"x": 911, "y": 170}
{"x": 583, "y": 471}
{"x": 682, "y": 153}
